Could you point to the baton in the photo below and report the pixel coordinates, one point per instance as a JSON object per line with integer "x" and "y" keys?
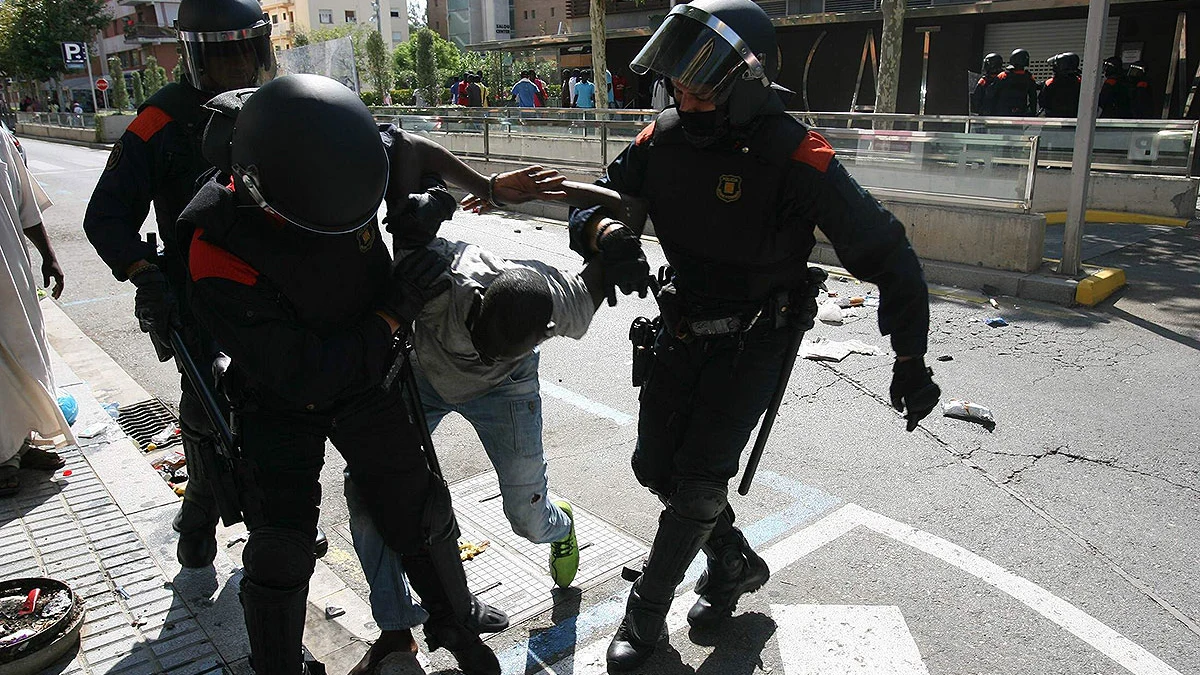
{"x": 764, "y": 432}
{"x": 402, "y": 367}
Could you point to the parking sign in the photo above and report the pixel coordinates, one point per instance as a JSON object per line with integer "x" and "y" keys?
{"x": 74, "y": 55}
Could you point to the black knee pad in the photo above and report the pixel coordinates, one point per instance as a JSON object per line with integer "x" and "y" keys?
{"x": 699, "y": 501}
{"x": 276, "y": 557}
{"x": 656, "y": 484}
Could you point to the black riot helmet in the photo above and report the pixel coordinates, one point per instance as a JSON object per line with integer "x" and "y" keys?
{"x": 305, "y": 148}
{"x": 1113, "y": 68}
{"x": 1066, "y": 63}
{"x": 1019, "y": 59}
{"x": 992, "y": 64}
{"x": 226, "y": 44}
{"x": 725, "y": 49}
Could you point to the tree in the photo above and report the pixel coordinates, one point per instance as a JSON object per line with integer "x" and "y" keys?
{"x": 177, "y": 72}
{"x": 135, "y": 83}
{"x": 356, "y": 32}
{"x": 890, "y": 44}
{"x": 154, "y": 76}
{"x": 416, "y": 17}
{"x": 32, "y": 32}
{"x": 426, "y": 66}
{"x": 599, "y": 53}
{"x": 378, "y": 69}
{"x": 118, "y": 95}
{"x": 448, "y": 62}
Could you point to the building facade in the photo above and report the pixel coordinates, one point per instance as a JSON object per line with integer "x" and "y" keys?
{"x": 289, "y": 17}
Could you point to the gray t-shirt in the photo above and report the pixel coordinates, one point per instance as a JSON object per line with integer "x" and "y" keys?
{"x": 441, "y": 339}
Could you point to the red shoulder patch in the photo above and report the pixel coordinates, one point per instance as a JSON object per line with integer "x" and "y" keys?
{"x": 1002, "y": 76}
{"x": 644, "y": 135}
{"x": 1143, "y": 85}
{"x": 208, "y": 260}
{"x": 814, "y": 151}
{"x": 148, "y": 122}
{"x": 1049, "y": 81}
{"x": 982, "y": 81}
{"x": 1110, "y": 81}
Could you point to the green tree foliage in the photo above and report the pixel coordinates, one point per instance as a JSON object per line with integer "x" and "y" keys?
{"x": 139, "y": 92}
{"x": 448, "y": 62}
{"x": 118, "y": 95}
{"x": 425, "y": 63}
{"x": 154, "y": 76}
{"x": 378, "y": 69}
{"x": 32, "y": 31}
{"x": 358, "y": 34}
{"x": 177, "y": 73}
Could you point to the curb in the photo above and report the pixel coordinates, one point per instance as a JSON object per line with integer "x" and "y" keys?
{"x": 1101, "y": 216}
{"x": 1098, "y": 285}
{"x": 340, "y": 642}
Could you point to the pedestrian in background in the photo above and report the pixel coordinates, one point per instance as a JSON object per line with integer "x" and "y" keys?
{"x": 525, "y": 91}
{"x": 564, "y": 95}
{"x": 585, "y": 91}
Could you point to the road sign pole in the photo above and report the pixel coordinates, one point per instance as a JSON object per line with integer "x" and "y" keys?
{"x": 91, "y": 81}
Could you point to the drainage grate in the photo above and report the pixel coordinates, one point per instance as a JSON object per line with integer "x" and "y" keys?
{"x": 143, "y": 421}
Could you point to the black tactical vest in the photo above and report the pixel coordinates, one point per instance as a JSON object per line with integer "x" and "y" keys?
{"x": 181, "y": 161}
{"x": 720, "y": 212}
{"x": 1061, "y": 94}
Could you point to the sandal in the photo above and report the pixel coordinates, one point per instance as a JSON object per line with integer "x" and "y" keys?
{"x": 10, "y": 481}
{"x": 42, "y": 460}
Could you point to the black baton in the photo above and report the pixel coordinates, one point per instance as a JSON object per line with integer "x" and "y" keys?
{"x": 764, "y": 432}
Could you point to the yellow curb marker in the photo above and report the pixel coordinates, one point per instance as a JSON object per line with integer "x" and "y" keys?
{"x": 1098, "y": 285}
{"x": 1098, "y": 216}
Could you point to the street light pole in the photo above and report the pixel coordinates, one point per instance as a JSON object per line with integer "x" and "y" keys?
{"x": 1085, "y": 133}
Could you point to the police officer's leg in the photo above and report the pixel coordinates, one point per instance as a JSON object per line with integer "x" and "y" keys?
{"x": 196, "y": 521}
{"x": 411, "y": 509}
{"x": 286, "y": 453}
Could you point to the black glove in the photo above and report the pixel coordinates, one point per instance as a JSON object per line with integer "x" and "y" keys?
{"x": 155, "y": 308}
{"x": 423, "y": 214}
{"x": 624, "y": 263}
{"x": 803, "y": 301}
{"x": 913, "y": 388}
{"x": 416, "y": 279}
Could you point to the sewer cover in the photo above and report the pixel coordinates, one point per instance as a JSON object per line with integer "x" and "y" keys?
{"x": 143, "y": 421}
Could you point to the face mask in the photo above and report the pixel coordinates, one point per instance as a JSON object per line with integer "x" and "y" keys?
{"x": 704, "y": 128}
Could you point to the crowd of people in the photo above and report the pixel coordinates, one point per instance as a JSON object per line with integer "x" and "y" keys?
{"x": 577, "y": 90}
{"x": 1012, "y": 91}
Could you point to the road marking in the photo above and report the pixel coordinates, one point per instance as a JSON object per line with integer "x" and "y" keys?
{"x": 590, "y": 658}
{"x": 600, "y": 620}
{"x": 846, "y": 640}
{"x": 585, "y": 403}
{"x": 37, "y": 165}
{"x": 89, "y": 301}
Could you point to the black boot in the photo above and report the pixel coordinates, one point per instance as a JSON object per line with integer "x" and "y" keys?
{"x": 734, "y": 569}
{"x": 644, "y": 626}
{"x": 456, "y": 617}
{"x": 275, "y": 626}
{"x": 197, "y": 528}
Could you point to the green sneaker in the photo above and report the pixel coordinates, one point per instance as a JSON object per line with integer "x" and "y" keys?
{"x": 564, "y": 554}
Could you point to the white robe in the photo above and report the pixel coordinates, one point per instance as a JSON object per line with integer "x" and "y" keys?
{"x": 27, "y": 395}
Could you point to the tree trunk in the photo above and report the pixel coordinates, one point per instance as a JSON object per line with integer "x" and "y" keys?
{"x": 599, "y": 54}
{"x": 890, "y": 47}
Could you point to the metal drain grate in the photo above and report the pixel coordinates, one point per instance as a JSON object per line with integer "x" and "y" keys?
{"x": 143, "y": 421}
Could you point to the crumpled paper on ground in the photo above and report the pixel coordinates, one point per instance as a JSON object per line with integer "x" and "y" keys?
{"x": 821, "y": 349}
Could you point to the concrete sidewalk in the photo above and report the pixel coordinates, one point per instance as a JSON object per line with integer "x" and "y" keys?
{"x": 106, "y": 531}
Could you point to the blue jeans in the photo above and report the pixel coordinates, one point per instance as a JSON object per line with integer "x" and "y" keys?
{"x": 508, "y": 420}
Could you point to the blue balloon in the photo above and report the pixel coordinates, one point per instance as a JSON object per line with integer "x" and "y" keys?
{"x": 68, "y": 406}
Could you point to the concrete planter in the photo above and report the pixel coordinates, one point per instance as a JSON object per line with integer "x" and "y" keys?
{"x": 110, "y": 127}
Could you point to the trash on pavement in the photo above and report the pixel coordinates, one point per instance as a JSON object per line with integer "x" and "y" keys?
{"x": 995, "y": 322}
{"x": 30, "y": 602}
{"x": 993, "y": 303}
{"x": 113, "y": 409}
{"x": 945, "y": 357}
{"x": 829, "y": 312}
{"x": 821, "y": 349}
{"x": 93, "y": 430}
{"x": 467, "y": 550}
{"x": 236, "y": 540}
{"x": 165, "y": 435}
{"x": 333, "y": 611}
{"x": 971, "y": 412}
{"x": 69, "y": 406}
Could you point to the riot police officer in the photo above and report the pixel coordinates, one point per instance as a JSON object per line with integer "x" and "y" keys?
{"x": 1059, "y": 96}
{"x": 288, "y": 271}
{"x": 1141, "y": 106}
{"x": 734, "y": 186}
{"x": 983, "y": 98}
{"x": 1016, "y": 92}
{"x": 1114, "y": 91}
{"x": 226, "y": 44}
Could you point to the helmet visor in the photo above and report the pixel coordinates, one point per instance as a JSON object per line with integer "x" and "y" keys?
{"x": 698, "y": 51}
{"x": 223, "y": 61}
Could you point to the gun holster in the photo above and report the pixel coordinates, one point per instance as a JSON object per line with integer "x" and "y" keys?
{"x": 642, "y": 333}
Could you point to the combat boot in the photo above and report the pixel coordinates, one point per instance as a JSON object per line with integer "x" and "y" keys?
{"x": 734, "y": 569}
{"x": 644, "y": 626}
{"x": 197, "y": 545}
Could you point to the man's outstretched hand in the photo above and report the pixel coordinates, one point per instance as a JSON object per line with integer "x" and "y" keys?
{"x": 913, "y": 390}
{"x": 519, "y": 186}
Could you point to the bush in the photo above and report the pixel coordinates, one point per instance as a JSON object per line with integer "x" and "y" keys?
{"x": 371, "y": 98}
{"x": 403, "y": 97}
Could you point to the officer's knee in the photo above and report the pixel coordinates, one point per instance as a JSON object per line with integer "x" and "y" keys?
{"x": 699, "y": 501}
{"x": 656, "y": 482}
{"x": 277, "y": 557}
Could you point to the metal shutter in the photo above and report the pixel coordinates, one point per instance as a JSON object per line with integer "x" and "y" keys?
{"x": 1044, "y": 39}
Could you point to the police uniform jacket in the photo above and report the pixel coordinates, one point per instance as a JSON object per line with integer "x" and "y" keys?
{"x": 736, "y": 218}
{"x": 1016, "y": 93}
{"x": 295, "y": 310}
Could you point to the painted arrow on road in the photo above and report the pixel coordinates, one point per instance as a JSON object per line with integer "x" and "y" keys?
{"x": 846, "y": 640}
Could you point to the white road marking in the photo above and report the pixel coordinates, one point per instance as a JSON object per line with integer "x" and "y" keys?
{"x": 846, "y": 640}
{"x": 590, "y": 658}
{"x": 37, "y": 165}
{"x": 585, "y": 403}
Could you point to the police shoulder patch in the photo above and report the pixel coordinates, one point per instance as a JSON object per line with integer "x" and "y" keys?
{"x": 366, "y": 237}
{"x": 729, "y": 188}
{"x": 114, "y": 157}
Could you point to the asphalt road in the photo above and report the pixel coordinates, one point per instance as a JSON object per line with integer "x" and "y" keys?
{"x": 1064, "y": 541}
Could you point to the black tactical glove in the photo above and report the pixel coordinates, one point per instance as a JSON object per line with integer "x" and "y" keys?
{"x": 803, "y": 301}
{"x": 423, "y": 215}
{"x": 913, "y": 388}
{"x": 155, "y": 308}
{"x": 416, "y": 279}
{"x": 624, "y": 263}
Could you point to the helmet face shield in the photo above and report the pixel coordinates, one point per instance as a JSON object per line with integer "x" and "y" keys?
{"x": 698, "y": 52}
{"x": 217, "y": 62}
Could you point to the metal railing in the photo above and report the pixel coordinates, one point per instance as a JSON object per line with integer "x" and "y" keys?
{"x": 60, "y": 119}
{"x": 976, "y": 170}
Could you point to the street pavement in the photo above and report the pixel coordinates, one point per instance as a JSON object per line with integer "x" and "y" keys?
{"x": 1063, "y": 541}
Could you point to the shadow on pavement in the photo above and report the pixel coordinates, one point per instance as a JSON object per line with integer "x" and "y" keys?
{"x": 563, "y": 616}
